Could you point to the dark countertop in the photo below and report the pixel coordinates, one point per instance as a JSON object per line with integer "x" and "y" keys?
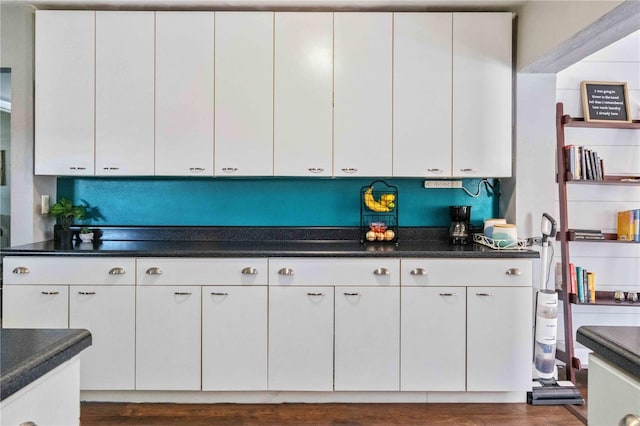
{"x": 619, "y": 345}
{"x": 28, "y": 354}
{"x": 265, "y": 242}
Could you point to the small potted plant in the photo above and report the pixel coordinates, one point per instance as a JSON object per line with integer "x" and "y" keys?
{"x": 86, "y": 234}
{"x": 65, "y": 213}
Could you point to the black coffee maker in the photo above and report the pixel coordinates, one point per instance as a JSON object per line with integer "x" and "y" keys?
{"x": 460, "y": 228}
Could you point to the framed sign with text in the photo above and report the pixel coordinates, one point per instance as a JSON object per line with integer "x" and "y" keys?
{"x": 605, "y": 101}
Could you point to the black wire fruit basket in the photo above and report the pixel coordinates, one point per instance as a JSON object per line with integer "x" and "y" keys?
{"x": 379, "y": 213}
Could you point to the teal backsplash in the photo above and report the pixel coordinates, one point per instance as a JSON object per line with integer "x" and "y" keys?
{"x": 267, "y": 201}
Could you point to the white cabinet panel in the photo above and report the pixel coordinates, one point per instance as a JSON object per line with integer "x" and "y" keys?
{"x": 336, "y": 271}
{"x": 234, "y": 338}
{"x": 433, "y": 339}
{"x": 244, "y": 93}
{"x": 301, "y": 338}
{"x": 168, "y": 341}
{"x": 499, "y": 338}
{"x": 64, "y": 88}
{"x": 367, "y": 339}
{"x": 303, "y": 111}
{"x": 362, "y": 94}
{"x": 482, "y": 81}
{"x": 108, "y": 312}
{"x": 422, "y": 94}
{"x": 124, "y": 93}
{"x": 201, "y": 271}
{"x": 35, "y": 306}
{"x": 184, "y": 93}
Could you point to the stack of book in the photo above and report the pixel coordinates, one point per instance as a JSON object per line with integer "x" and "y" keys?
{"x": 629, "y": 225}
{"x": 583, "y": 163}
{"x": 583, "y": 284}
{"x": 585, "y": 234}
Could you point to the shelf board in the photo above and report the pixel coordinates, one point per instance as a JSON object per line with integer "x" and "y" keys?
{"x": 569, "y": 121}
{"x": 608, "y": 180}
{"x": 608, "y": 238}
{"x": 603, "y": 298}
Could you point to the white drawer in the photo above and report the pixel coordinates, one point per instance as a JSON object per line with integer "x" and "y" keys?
{"x": 69, "y": 270}
{"x": 201, "y": 271}
{"x": 336, "y": 272}
{"x": 467, "y": 272}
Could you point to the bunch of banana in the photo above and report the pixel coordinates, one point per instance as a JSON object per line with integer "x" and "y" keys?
{"x": 386, "y": 203}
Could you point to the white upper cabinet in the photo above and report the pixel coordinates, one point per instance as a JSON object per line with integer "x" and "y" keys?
{"x": 244, "y": 94}
{"x": 184, "y": 93}
{"x": 64, "y": 58}
{"x": 482, "y": 81}
{"x": 303, "y": 112}
{"x": 124, "y": 93}
{"x": 422, "y": 94}
{"x": 362, "y": 94}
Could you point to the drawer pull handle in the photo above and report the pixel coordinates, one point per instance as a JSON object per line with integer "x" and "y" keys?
{"x": 196, "y": 169}
{"x": 467, "y": 170}
{"x": 117, "y": 271}
{"x": 485, "y": 294}
{"x": 448, "y": 294}
{"x": 20, "y": 270}
{"x": 514, "y": 271}
{"x": 286, "y": 271}
{"x": 229, "y": 169}
{"x": 316, "y": 169}
{"x": 381, "y": 271}
{"x": 213, "y": 293}
{"x": 249, "y": 271}
{"x": 418, "y": 271}
{"x": 77, "y": 168}
{"x": 50, "y": 293}
{"x": 111, "y": 168}
{"x": 435, "y": 170}
{"x": 352, "y": 294}
{"x": 87, "y": 293}
{"x": 182, "y": 293}
{"x": 154, "y": 271}
{"x": 349, "y": 170}
{"x": 315, "y": 294}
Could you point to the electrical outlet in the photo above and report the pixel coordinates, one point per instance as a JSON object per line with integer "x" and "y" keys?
{"x": 44, "y": 204}
{"x": 443, "y": 184}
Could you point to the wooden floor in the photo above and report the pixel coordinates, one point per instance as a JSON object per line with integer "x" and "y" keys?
{"x": 113, "y": 414}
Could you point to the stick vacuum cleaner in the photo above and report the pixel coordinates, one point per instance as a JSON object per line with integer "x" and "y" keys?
{"x": 546, "y": 390}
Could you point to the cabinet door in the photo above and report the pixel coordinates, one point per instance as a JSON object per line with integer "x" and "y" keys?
{"x": 64, "y": 87}
{"x": 482, "y": 75}
{"x": 184, "y": 93}
{"x": 35, "y": 306}
{"x": 108, "y": 312}
{"x": 422, "y": 94}
{"x": 124, "y": 93}
{"x": 168, "y": 338}
{"x": 499, "y": 338}
{"x": 367, "y": 339}
{"x": 433, "y": 339}
{"x": 303, "y": 94}
{"x": 301, "y": 338}
{"x": 234, "y": 338}
{"x": 362, "y": 94}
{"x": 244, "y": 93}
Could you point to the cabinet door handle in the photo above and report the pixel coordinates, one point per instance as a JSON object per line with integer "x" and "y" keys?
{"x": 182, "y": 293}
{"x": 349, "y": 170}
{"x": 20, "y": 270}
{"x": 435, "y": 170}
{"x": 381, "y": 271}
{"x": 111, "y": 168}
{"x": 213, "y": 293}
{"x": 286, "y": 271}
{"x": 87, "y": 293}
{"x": 316, "y": 169}
{"x": 229, "y": 169}
{"x": 467, "y": 170}
{"x": 485, "y": 294}
{"x": 196, "y": 169}
{"x": 418, "y": 271}
{"x": 77, "y": 168}
{"x": 154, "y": 271}
{"x": 50, "y": 293}
{"x": 249, "y": 271}
{"x": 448, "y": 294}
{"x": 514, "y": 271}
{"x": 352, "y": 294}
{"x": 117, "y": 271}
{"x": 315, "y": 294}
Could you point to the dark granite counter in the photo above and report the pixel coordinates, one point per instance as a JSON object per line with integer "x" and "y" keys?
{"x": 28, "y": 354}
{"x": 619, "y": 345}
{"x": 264, "y": 242}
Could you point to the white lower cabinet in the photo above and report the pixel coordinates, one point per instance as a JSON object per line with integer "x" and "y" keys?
{"x": 35, "y": 306}
{"x": 301, "y": 338}
{"x": 109, "y": 313}
{"x": 367, "y": 339}
{"x": 433, "y": 330}
{"x": 234, "y": 338}
{"x": 168, "y": 337}
{"x": 499, "y": 338}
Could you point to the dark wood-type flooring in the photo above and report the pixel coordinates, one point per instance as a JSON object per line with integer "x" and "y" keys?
{"x": 113, "y": 414}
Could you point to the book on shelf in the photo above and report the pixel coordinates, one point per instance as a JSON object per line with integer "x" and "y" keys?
{"x": 583, "y": 163}
{"x": 629, "y": 225}
{"x": 579, "y": 284}
{"x": 573, "y": 277}
{"x": 586, "y": 234}
{"x": 583, "y": 284}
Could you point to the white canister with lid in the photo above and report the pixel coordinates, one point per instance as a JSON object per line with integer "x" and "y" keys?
{"x": 505, "y": 234}
{"x": 490, "y": 223}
